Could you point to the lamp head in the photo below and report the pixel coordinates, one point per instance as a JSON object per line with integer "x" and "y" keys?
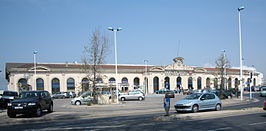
{"x": 35, "y": 52}
{"x": 118, "y": 29}
{"x": 110, "y": 28}
{"x": 241, "y": 8}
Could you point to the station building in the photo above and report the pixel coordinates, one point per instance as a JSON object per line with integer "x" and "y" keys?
{"x": 71, "y": 77}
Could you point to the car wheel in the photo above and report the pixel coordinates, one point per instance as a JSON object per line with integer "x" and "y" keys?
{"x": 78, "y": 103}
{"x": 218, "y": 107}
{"x": 11, "y": 115}
{"x": 140, "y": 98}
{"x": 50, "y": 109}
{"x": 38, "y": 111}
{"x": 123, "y": 99}
{"x": 195, "y": 108}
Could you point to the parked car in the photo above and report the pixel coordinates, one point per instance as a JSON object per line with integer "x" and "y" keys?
{"x": 264, "y": 105}
{"x": 199, "y": 101}
{"x": 163, "y": 91}
{"x": 6, "y": 97}
{"x": 30, "y": 102}
{"x": 72, "y": 94}
{"x": 59, "y": 95}
{"x": 257, "y": 88}
{"x": 84, "y": 98}
{"x": 132, "y": 95}
{"x": 188, "y": 91}
{"x": 263, "y": 91}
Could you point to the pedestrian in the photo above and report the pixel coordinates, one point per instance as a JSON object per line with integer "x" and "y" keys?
{"x": 166, "y": 104}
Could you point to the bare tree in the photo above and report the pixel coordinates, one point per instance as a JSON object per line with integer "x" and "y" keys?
{"x": 93, "y": 58}
{"x": 222, "y": 63}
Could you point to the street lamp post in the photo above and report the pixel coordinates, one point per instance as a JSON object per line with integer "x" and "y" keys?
{"x": 225, "y": 82}
{"x": 116, "y": 81}
{"x": 34, "y": 60}
{"x": 146, "y": 74}
{"x": 240, "y": 52}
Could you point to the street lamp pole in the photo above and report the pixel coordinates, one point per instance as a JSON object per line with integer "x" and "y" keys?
{"x": 116, "y": 81}
{"x": 224, "y": 66}
{"x": 35, "y": 72}
{"x": 240, "y": 52}
{"x": 146, "y": 76}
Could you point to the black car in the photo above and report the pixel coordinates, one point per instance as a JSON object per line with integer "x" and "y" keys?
{"x": 6, "y": 97}
{"x": 30, "y": 102}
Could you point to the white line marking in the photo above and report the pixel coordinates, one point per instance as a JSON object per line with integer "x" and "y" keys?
{"x": 252, "y": 124}
{"x": 221, "y": 129}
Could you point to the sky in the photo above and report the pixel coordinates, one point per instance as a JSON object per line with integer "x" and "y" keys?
{"x": 153, "y": 30}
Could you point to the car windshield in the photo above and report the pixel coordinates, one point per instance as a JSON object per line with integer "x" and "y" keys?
{"x": 263, "y": 89}
{"x": 24, "y": 95}
{"x": 193, "y": 96}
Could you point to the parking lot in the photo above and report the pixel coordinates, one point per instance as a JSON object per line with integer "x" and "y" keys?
{"x": 63, "y": 110}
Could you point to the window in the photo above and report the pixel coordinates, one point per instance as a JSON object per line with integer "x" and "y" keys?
{"x": 40, "y": 84}
{"x": 70, "y": 84}
{"x": 55, "y": 85}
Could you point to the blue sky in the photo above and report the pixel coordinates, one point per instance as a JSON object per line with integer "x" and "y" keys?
{"x": 152, "y": 29}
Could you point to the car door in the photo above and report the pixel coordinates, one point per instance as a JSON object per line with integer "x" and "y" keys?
{"x": 204, "y": 102}
{"x": 212, "y": 101}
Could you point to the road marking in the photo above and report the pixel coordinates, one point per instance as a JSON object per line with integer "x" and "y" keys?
{"x": 252, "y": 124}
{"x": 221, "y": 129}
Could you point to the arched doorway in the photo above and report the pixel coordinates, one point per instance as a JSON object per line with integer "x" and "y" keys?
{"x": 208, "y": 82}
{"x": 178, "y": 82}
{"x": 124, "y": 84}
{"x": 199, "y": 83}
{"x": 55, "y": 85}
{"x": 155, "y": 84}
{"x": 167, "y": 83}
{"x": 190, "y": 83}
{"x": 215, "y": 83}
{"x": 230, "y": 83}
{"x": 136, "y": 83}
{"x": 40, "y": 84}
{"x": 70, "y": 84}
{"x": 85, "y": 84}
{"x": 23, "y": 85}
{"x": 237, "y": 82}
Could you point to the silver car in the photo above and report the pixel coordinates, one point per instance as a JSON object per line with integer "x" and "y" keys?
{"x": 83, "y": 99}
{"x": 199, "y": 101}
{"x": 133, "y": 95}
{"x": 263, "y": 91}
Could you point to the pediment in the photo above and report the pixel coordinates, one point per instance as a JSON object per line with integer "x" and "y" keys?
{"x": 157, "y": 68}
{"x": 39, "y": 68}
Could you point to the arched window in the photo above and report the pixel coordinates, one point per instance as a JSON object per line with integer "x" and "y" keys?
{"x": 155, "y": 84}
{"x": 199, "y": 83}
{"x": 254, "y": 82}
{"x": 40, "y": 84}
{"x": 112, "y": 80}
{"x": 136, "y": 83}
{"x": 248, "y": 82}
{"x": 23, "y": 85}
{"x": 178, "y": 82}
{"x": 70, "y": 84}
{"x": 99, "y": 80}
{"x": 124, "y": 80}
{"x": 190, "y": 83}
{"x": 208, "y": 82}
{"x": 85, "y": 84}
{"x": 55, "y": 85}
{"x": 167, "y": 82}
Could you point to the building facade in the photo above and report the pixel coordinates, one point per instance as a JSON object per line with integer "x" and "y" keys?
{"x": 71, "y": 77}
